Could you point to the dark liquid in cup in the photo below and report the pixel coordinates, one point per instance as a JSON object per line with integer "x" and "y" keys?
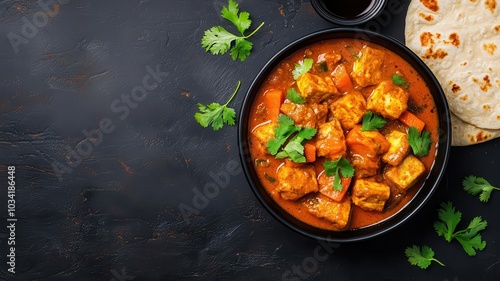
{"x": 348, "y": 9}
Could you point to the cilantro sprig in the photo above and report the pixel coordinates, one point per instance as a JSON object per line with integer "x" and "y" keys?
{"x": 217, "y": 40}
{"x": 289, "y": 139}
{"x": 294, "y": 96}
{"x": 469, "y": 238}
{"x": 477, "y": 185}
{"x": 302, "y": 67}
{"x": 372, "y": 122}
{"x": 399, "y": 80}
{"x": 421, "y": 257}
{"x": 420, "y": 143}
{"x": 216, "y": 114}
{"x": 332, "y": 168}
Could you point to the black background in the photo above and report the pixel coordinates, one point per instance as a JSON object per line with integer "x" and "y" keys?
{"x": 113, "y": 209}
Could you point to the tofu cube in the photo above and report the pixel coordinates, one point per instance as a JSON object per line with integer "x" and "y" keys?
{"x": 367, "y": 69}
{"x": 338, "y": 213}
{"x": 370, "y": 195}
{"x": 388, "y": 100}
{"x": 261, "y": 134}
{"x": 296, "y": 181}
{"x": 349, "y": 109}
{"x": 316, "y": 88}
{"x": 330, "y": 140}
{"x": 406, "y": 173}
{"x": 302, "y": 115}
{"x": 398, "y": 147}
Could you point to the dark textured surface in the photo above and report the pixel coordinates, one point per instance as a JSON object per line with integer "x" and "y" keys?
{"x": 109, "y": 207}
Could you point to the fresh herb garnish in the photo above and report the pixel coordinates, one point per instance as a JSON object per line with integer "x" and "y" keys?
{"x": 217, "y": 40}
{"x": 419, "y": 143}
{"x": 332, "y": 168}
{"x": 302, "y": 67}
{"x": 216, "y": 114}
{"x": 400, "y": 81}
{"x": 469, "y": 238}
{"x": 421, "y": 257}
{"x": 477, "y": 185}
{"x": 372, "y": 122}
{"x": 294, "y": 148}
{"x": 294, "y": 96}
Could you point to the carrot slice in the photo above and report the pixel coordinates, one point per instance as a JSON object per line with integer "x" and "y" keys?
{"x": 310, "y": 152}
{"x": 273, "y": 100}
{"x": 335, "y": 195}
{"x": 341, "y": 78}
{"x": 411, "y": 120}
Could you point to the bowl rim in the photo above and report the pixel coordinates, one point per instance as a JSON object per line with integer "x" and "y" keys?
{"x": 419, "y": 199}
{"x": 374, "y": 12}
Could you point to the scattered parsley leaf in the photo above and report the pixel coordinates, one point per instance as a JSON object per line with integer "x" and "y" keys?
{"x": 477, "y": 185}
{"x": 469, "y": 238}
{"x": 302, "y": 67}
{"x": 372, "y": 122}
{"x": 294, "y": 96}
{"x": 421, "y": 257}
{"x": 400, "y": 81}
{"x": 294, "y": 148}
{"x": 420, "y": 143}
{"x": 215, "y": 114}
{"x": 332, "y": 168}
{"x": 217, "y": 40}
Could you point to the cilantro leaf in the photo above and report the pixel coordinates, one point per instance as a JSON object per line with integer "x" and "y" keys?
{"x": 215, "y": 114}
{"x": 420, "y": 143}
{"x": 232, "y": 13}
{"x": 302, "y": 67}
{"x": 421, "y": 257}
{"x": 332, "y": 168}
{"x": 372, "y": 122}
{"x": 294, "y": 96}
{"x": 469, "y": 238}
{"x": 449, "y": 220}
{"x": 294, "y": 148}
{"x": 399, "y": 80}
{"x": 477, "y": 185}
{"x": 218, "y": 41}
{"x": 241, "y": 49}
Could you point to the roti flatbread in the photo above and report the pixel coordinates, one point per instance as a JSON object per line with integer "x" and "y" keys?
{"x": 466, "y": 134}
{"x": 460, "y": 42}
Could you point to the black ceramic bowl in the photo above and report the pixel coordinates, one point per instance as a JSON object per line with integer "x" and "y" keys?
{"x": 419, "y": 199}
{"x": 351, "y": 12}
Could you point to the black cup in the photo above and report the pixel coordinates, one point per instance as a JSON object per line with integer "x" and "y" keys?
{"x": 350, "y": 12}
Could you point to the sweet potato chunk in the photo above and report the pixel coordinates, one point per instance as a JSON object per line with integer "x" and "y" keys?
{"x": 338, "y": 213}
{"x": 262, "y": 134}
{"x": 398, "y": 148}
{"x": 330, "y": 140}
{"x": 315, "y": 88}
{"x": 388, "y": 100}
{"x": 367, "y": 70}
{"x": 296, "y": 181}
{"x": 370, "y": 195}
{"x": 349, "y": 109}
{"x": 406, "y": 173}
{"x": 365, "y": 149}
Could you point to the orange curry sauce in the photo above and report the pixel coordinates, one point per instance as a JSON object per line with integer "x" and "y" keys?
{"x": 420, "y": 103}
